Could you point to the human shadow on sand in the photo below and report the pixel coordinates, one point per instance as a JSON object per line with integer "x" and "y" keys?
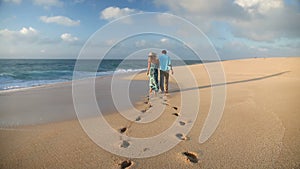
{"x": 228, "y": 83}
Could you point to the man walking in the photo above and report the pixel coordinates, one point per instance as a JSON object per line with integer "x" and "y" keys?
{"x": 165, "y": 67}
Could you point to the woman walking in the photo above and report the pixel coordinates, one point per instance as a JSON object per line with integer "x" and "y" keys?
{"x": 152, "y": 72}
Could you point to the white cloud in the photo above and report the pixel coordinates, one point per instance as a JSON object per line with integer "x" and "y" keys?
{"x": 253, "y": 23}
{"x": 270, "y": 26}
{"x": 257, "y": 20}
{"x": 78, "y": 1}
{"x": 28, "y": 42}
{"x": 68, "y": 37}
{"x": 202, "y": 13}
{"x": 140, "y": 43}
{"x": 261, "y": 6}
{"x": 61, "y": 20}
{"x": 111, "y": 13}
{"x": 165, "y": 19}
{"x": 164, "y": 40}
{"x": 48, "y": 3}
{"x": 28, "y": 31}
{"x": 25, "y": 34}
{"x": 204, "y": 8}
{"x": 110, "y": 42}
{"x": 14, "y": 1}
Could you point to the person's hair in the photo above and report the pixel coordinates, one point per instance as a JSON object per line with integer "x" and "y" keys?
{"x": 152, "y": 55}
{"x": 164, "y": 51}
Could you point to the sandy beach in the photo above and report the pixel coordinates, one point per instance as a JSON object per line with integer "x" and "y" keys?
{"x": 259, "y": 128}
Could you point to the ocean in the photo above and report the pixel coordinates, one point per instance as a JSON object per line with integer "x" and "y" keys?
{"x": 23, "y": 73}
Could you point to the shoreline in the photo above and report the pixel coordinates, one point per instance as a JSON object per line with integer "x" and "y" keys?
{"x": 58, "y": 83}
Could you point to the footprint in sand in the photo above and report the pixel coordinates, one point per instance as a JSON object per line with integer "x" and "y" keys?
{"x": 165, "y": 104}
{"x": 122, "y": 130}
{"x": 146, "y": 101}
{"x": 125, "y": 144}
{"x": 175, "y": 108}
{"x": 182, "y": 123}
{"x": 125, "y": 164}
{"x": 191, "y": 156}
{"x": 181, "y": 136}
{"x": 147, "y": 108}
{"x": 138, "y": 118}
{"x": 175, "y": 114}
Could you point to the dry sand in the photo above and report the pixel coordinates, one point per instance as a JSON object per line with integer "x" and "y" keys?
{"x": 259, "y": 129}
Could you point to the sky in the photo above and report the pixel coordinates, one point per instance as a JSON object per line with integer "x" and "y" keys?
{"x": 56, "y": 29}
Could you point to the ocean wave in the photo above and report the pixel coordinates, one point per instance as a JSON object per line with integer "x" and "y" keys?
{"x": 11, "y": 81}
{"x": 128, "y": 70}
{"x": 25, "y": 84}
{"x": 6, "y": 76}
{"x": 84, "y": 74}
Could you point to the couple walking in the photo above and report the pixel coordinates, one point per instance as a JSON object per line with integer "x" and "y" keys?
{"x": 163, "y": 62}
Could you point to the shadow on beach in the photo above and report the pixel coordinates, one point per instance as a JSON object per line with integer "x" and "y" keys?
{"x": 228, "y": 83}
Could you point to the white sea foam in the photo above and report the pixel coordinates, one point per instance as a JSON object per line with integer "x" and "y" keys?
{"x": 8, "y": 82}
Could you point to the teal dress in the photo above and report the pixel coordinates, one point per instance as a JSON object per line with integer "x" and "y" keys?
{"x": 153, "y": 77}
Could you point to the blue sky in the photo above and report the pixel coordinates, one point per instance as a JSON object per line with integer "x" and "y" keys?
{"x": 237, "y": 28}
